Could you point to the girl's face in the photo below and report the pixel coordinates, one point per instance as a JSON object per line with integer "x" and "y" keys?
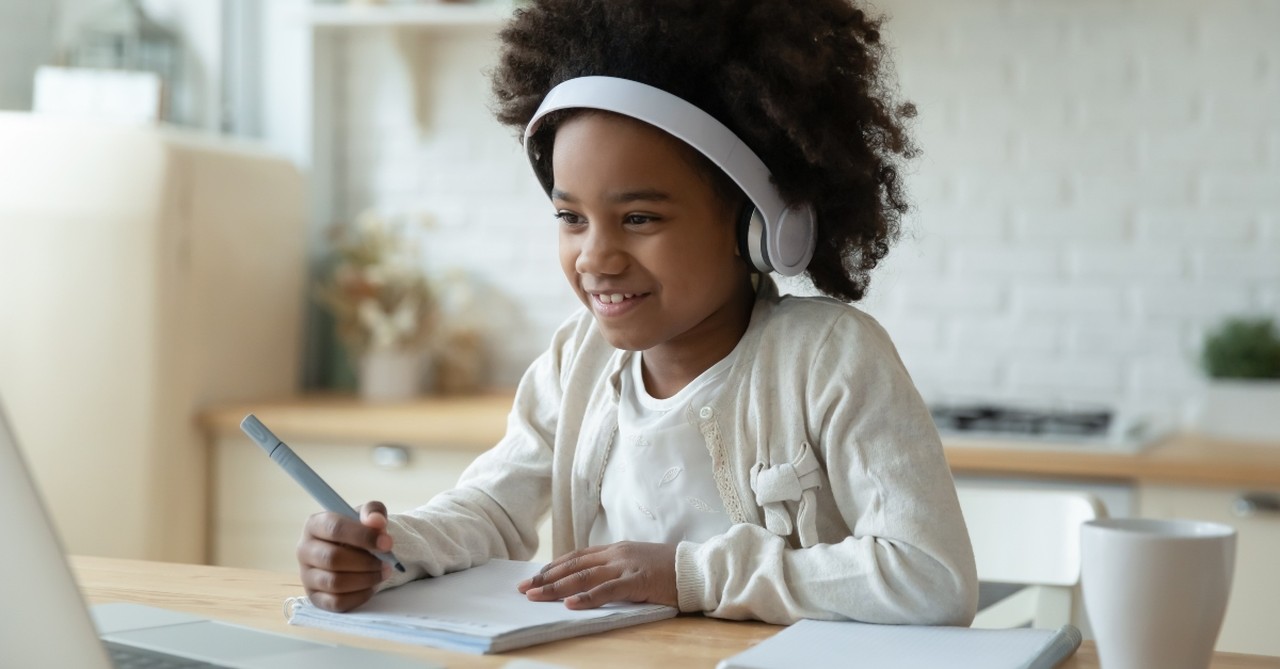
{"x": 645, "y": 241}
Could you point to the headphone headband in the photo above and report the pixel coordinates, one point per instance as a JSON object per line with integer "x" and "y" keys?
{"x": 788, "y": 238}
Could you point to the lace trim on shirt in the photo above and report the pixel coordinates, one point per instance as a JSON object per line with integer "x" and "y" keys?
{"x": 724, "y": 484}
{"x": 604, "y": 461}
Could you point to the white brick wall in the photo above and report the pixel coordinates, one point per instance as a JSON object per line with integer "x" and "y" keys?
{"x": 1100, "y": 183}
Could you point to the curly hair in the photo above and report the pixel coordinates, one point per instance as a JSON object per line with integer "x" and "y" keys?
{"x": 807, "y": 84}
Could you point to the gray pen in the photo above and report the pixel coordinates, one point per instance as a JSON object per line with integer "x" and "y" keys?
{"x": 306, "y": 477}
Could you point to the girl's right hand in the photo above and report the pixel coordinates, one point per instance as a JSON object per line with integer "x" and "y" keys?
{"x": 337, "y": 568}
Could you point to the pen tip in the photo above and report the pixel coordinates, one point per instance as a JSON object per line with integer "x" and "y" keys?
{"x": 399, "y": 567}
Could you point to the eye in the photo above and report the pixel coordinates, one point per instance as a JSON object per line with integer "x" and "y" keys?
{"x": 569, "y": 218}
{"x": 639, "y": 219}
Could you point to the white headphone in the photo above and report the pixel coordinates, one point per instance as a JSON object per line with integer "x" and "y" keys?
{"x": 776, "y": 237}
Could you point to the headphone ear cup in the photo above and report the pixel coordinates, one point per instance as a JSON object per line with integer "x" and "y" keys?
{"x": 792, "y": 239}
{"x": 751, "y": 238}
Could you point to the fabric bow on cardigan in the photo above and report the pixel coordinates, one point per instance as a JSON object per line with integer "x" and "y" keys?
{"x": 793, "y": 481}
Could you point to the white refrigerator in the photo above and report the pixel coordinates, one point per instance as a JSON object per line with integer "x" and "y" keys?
{"x": 144, "y": 274}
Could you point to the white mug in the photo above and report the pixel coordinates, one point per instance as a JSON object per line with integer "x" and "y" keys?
{"x": 1155, "y": 591}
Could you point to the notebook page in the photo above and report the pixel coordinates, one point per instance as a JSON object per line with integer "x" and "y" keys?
{"x": 481, "y": 601}
{"x": 819, "y": 644}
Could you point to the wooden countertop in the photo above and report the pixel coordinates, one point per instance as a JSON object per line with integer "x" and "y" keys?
{"x": 1182, "y": 458}
{"x": 472, "y": 423}
{"x": 476, "y": 423}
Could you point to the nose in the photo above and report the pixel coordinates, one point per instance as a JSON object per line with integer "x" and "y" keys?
{"x": 601, "y": 251}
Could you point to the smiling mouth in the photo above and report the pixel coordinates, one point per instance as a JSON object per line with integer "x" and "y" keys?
{"x": 608, "y": 299}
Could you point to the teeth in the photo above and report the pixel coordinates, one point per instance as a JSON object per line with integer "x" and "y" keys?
{"x": 614, "y": 298}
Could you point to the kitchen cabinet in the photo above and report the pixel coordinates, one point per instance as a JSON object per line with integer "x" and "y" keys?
{"x": 131, "y": 299}
{"x": 258, "y": 511}
{"x": 1253, "y": 610}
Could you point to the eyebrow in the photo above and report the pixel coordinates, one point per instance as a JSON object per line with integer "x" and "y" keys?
{"x": 623, "y": 197}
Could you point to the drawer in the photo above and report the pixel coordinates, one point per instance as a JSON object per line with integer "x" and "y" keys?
{"x": 258, "y": 511}
{"x": 1254, "y": 605}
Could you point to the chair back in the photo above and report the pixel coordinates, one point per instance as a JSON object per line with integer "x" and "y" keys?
{"x": 1028, "y": 537}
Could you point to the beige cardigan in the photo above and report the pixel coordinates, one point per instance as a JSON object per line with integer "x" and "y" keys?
{"x": 824, "y": 455}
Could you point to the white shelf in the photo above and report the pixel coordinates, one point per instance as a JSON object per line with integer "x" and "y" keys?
{"x": 427, "y": 15}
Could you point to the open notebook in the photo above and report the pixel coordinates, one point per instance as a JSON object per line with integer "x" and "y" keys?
{"x": 475, "y": 611}
{"x": 816, "y": 644}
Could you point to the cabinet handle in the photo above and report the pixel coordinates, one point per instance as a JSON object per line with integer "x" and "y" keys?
{"x": 390, "y": 456}
{"x": 1256, "y": 504}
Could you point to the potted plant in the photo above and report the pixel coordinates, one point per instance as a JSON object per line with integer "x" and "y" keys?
{"x": 383, "y": 308}
{"x": 1242, "y": 360}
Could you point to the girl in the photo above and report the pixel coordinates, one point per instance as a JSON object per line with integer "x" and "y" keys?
{"x": 699, "y": 440}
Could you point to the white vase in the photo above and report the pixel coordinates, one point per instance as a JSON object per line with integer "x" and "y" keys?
{"x": 392, "y": 375}
{"x": 1241, "y": 410}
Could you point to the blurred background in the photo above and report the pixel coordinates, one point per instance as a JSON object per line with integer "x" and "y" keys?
{"x": 213, "y": 205}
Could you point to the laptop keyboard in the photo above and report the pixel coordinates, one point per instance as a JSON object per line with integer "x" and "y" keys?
{"x": 128, "y": 657}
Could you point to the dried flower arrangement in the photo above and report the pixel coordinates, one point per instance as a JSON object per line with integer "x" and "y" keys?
{"x": 377, "y": 291}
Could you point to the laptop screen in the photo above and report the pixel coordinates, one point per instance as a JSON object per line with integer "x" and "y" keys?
{"x": 46, "y": 623}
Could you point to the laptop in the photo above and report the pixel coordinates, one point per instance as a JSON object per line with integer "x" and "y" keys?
{"x": 46, "y": 623}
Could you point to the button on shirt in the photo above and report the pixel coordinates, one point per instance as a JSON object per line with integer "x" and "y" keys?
{"x": 658, "y": 484}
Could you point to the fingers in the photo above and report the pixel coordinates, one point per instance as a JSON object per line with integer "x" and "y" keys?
{"x": 335, "y": 543}
{"x": 374, "y": 514}
{"x": 337, "y": 577}
{"x": 609, "y": 591}
{"x": 339, "y": 583}
{"x": 336, "y": 528}
{"x": 572, "y": 583}
{"x": 339, "y": 603}
{"x": 557, "y": 568}
{"x": 572, "y": 573}
{"x": 335, "y": 564}
{"x": 336, "y": 557}
{"x": 625, "y": 571}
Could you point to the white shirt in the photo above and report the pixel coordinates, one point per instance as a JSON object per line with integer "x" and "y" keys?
{"x": 658, "y": 483}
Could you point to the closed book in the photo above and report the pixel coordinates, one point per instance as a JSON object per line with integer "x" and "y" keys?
{"x": 815, "y": 644}
{"x": 477, "y": 610}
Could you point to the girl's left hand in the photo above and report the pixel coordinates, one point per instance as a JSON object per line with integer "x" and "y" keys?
{"x": 627, "y": 571}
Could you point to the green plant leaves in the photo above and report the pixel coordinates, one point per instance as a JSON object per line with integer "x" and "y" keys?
{"x": 1243, "y": 348}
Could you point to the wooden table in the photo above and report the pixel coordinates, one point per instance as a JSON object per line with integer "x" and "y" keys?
{"x": 255, "y": 598}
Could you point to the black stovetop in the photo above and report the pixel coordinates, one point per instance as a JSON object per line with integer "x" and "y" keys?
{"x": 1017, "y": 421}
